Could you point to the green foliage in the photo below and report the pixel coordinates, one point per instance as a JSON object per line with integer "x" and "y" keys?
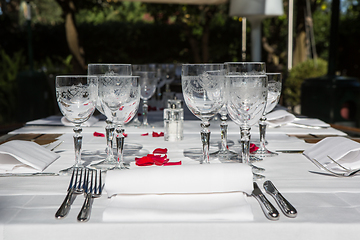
{"x": 308, "y": 69}
{"x": 9, "y": 68}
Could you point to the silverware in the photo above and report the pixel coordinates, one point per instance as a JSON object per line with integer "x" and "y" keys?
{"x": 347, "y": 173}
{"x": 93, "y": 189}
{"x": 302, "y": 125}
{"x": 290, "y": 151}
{"x": 268, "y": 209}
{"x": 28, "y": 174}
{"x": 75, "y": 187}
{"x": 284, "y": 205}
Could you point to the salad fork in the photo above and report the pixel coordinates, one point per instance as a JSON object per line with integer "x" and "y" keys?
{"x": 347, "y": 173}
{"x": 93, "y": 189}
{"x": 75, "y": 187}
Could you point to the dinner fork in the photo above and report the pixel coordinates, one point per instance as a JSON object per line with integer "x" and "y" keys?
{"x": 75, "y": 187}
{"x": 347, "y": 173}
{"x": 93, "y": 189}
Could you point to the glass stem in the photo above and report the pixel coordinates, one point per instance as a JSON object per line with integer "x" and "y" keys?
{"x": 245, "y": 145}
{"x": 223, "y": 132}
{"x": 145, "y": 112}
{"x": 120, "y": 146}
{"x": 77, "y": 144}
{"x": 262, "y": 128}
{"x": 205, "y": 139}
{"x": 109, "y": 138}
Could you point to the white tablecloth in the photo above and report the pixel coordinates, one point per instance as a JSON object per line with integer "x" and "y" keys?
{"x": 328, "y": 207}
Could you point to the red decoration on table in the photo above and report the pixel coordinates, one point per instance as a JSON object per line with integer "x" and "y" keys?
{"x": 144, "y": 134}
{"x": 253, "y": 148}
{"x": 158, "y": 158}
{"x": 155, "y": 134}
{"x": 125, "y": 134}
{"x": 97, "y": 134}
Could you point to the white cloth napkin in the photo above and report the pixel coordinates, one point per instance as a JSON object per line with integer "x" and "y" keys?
{"x": 24, "y": 157}
{"x": 179, "y": 193}
{"x": 92, "y": 120}
{"x": 309, "y": 122}
{"x": 279, "y": 117}
{"x": 342, "y": 150}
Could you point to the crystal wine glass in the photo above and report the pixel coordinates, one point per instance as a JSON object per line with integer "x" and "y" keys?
{"x": 148, "y": 82}
{"x": 203, "y": 88}
{"x": 100, "y": 69}
{"x": 246, "y": 68}
{"x": 247, "y": 96}
{"x": 274, "y": 91}
{"x": 119, "y": 97}
{"x": 76, "y": 97}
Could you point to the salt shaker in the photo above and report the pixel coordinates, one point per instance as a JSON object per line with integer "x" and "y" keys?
{"x": 173, "y": 121}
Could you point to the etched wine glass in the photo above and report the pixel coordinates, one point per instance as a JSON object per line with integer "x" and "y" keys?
{"x": 76, "y": 96}
{"x": 100, "y": 69}
{"x": 148, "y": 82}
{"x": 203, "y": 88}
{"x": 247, "y": 96}
{"x": 119, "y": 97}
{"x": 274, "y": 91}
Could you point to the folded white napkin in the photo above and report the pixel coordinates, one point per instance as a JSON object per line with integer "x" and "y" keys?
{"x": 340, "y": 149}
{"x": 24, "y": 157}
{"x": 309, "y": 122}
{"x": 279, "y": 117}
{"x": 180, "y": 193}
{"x": 92, "y": 120}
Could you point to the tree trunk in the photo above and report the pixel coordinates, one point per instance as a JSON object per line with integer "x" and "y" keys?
{"x": 72, "y": 36}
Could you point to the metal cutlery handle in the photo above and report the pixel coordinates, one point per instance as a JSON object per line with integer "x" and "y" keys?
{"x": 266, "y": 206}
{"x": 285, "y": 206}
{"x": 84, "y": 214}
{"x": 65, "y": 206}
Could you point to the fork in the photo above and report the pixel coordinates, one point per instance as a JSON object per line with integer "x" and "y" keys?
{"x": 75, "y": 187}
{"x": 93, "y": 189}
{"x": 348, "y": 173}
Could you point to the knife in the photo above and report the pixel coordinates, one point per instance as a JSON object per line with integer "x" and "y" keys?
{"x": 284, "y": 205}
{"x": 268, "y": 209}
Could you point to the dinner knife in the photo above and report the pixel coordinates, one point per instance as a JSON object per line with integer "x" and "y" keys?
{"x": 268, "y": 209}
{"x": 284, "y": 205}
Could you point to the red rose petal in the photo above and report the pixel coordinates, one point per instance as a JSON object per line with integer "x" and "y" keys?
{"x": 125, "y": 135}
{"x": 97, "y": 134}
{"x": 253, "y": 148}
{"x": 155, "y": 134}
{"x": 144, "y": 161}
{"x": 145, "y": 134}
{"x": 172, "y": 163}
{"x": 160, "y": 150}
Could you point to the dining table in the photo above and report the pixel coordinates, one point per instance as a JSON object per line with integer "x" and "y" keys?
{"x": 328, "y": 207}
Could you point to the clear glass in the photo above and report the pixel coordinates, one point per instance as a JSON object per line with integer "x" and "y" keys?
{"x": 247, "y": 96}
{"x": 203, "y": 88}
{"x": 119, "y": 97}
{"x": 76, "y": 97}
{"x": 100, "y": 69}
{"x": 274, "y": 91}
{"x": 148, "y": 82}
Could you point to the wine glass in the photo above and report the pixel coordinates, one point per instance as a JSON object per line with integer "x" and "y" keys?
{"x": 203, "y": 89}
{"x": 246, "y": 68}
{"x": 100, "y": 69}
{"x": 247, "y": 96}
{"x": 76, "y": 96}
{"x": 119, "y": 97}
{"x": 148, "y": 81}
{"x": 274, "y": 91}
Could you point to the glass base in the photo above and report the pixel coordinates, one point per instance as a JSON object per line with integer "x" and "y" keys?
{"x": 225, "y": 156}
{"x": 264, "y": 153}
{"x": 104, "y": 165}
{"x": 239, "y": 159}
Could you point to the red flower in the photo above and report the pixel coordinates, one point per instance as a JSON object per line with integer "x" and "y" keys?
{"x": 155, "y": 134}
{"x": 253, "y": 148}
{"x": 158, "y": 158}
{"x": 97, "y": 134}
{"x": 144, "y": 134}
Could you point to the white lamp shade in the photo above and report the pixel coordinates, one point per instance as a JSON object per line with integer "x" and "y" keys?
{"x": 256, "y": 8}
